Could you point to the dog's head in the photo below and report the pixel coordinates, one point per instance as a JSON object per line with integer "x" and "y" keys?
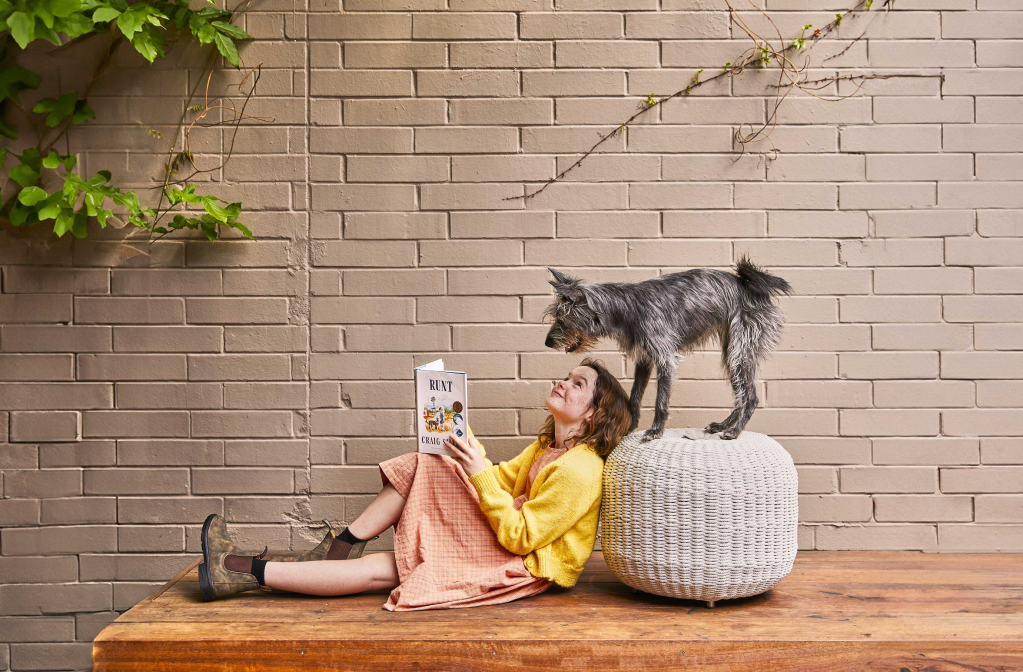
{"x": 575, "y": 326}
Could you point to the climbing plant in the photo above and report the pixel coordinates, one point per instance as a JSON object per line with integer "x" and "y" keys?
{"x": 762, "y": 54}
{"x": 151, "y": 27}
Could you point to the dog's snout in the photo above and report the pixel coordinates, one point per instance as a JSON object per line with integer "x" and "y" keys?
{"x": 549, "y": 343}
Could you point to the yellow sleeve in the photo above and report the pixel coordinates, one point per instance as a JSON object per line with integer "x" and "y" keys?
{"x": 505, "y": 473}
{"x": 565, "y": 497}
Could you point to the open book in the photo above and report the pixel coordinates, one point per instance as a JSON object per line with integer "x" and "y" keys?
{"x": 441, "y": 407}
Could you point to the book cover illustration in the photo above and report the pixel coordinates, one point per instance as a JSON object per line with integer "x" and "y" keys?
{"x": 441, "y": 407}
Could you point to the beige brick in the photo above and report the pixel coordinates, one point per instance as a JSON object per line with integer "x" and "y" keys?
{"x": 998, "y": 508}
{"x": 983, "y": 308}
{"x": 265, "y": 395}
{"x": 573, "y": 83}
{"x": 998, "y": 336}
{"x": 455, "y": 140}
{"x": 923, "y": 223}
{"x": 55, "y": 338}
{"x": 892, "y": 138}
{"x": 597, "y": 253}
{"x": 342, "y": 310}
{"x": 679, "y": 139}
{"x": 981, "y": 479}
{"x": 397, "y": 169}
{"x": 135, "y": 481}
{"x": 999, "y": 392}
{"x": 383, "y": 338}
{"x": 568, "y": 139}
{"x": 242, "y": 424}
{"x": 356, "y": 26}
{"x": 820, "y": 450}
{"x": 468, "y": 309}
{"x": 922, "y": 110}
{"x": 883, "y": 422}
{"x": 29, "y": 280}
{"x": 923, "y": 281}
{"x": 521, "y": 112}
{"x": 981, "y": 537}
{"x": 923, "y": 508}
{"x": 397, "y": 225}
{"x": 394, "y": 55}
{"x": 45, "y": 426}
{"x": 921, "y": 336}
{"x": 502, "y": 224}
{"x": 824, "y": 337}
{"x": 982, "y": 365}
{"x": 834, "y": 508}
{"x": 571, "y": 111}
{"x": 501, "y": 168}
{"x": 919, "y": 167}
{"x": 889, "y": 309}
{"x": 571, "y": 25}
{"x": 814, "y": 480}
{"x": 117, "y": 424}
{"x": 239, "y": 367}
{"x": 129, "y": 310}
{"x": 505, "y": 338}
{"x": 365, "y": 253}
{"x": 678, "y": 253}
{"x": 468, "y": 25}
{"x": 470, "y": 253}
{"x": 60, "y": 540}
{"x": 818, "y": 394}
{"x": 1002, "y": 451}
{"x": 167, "y": 509}
{"x": 608, "y": 224}
{"x": 470, "y": 196}
{"x": 292, "y": 453}
{"x": 467, "y": 83}
{"x": 356, "y": 422}
{"x": 981, "y": 422}
{"x": 563, "y": 196}
{"x": 876, "y": 538}
{"x": 714, "y": 224}
{"x": 364, "y": 197}
{"x": 167, "y": 339}
{"x": 264, "y": 339}
{"x": 666, "y": 195}
{"x": 232, "y": 481}
{"x": 983, "y": 251}
{"x": 392, "y": 112}
{"x": 924, "y": 394}
{"x": 789, "y": 252}
{"x": 502, "y": 54}
{"x": 36, "y": 307}
{"x": 394, "y": 282}
{"x": 910, "y": 451}
{"x": 501, "y": 281}
{"x": 361, "y": 140}
{"x": 889, "y": 479}
{"x": 607, "y": 54}
{"x": 37, "y": 367}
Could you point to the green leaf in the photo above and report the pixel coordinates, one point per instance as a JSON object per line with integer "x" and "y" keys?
{"x": 104, "y": 14}
{"x": 227, "y": 49}
{"x": 63, "y": 222}
{"x": 52, "y": 206}
{"x": 64, "y": 8}
{"x": 24, "y": 175}
{"x": 3, "y": 156}
{"x": 8, "y": 131}
{"x": 31, "y": 195}
{"x": 82, "y": 113}
{"x": 231, "y": 30}
{"x": 80, "y": 225}
{"x": 22, "y": 28}
{"x": 15, "y": 79}
{"x": 217, "y": 212}
{"x": 241, "y": 227}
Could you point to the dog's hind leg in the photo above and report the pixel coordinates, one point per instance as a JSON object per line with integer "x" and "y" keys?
{"x": 666, "y": 371}
{"x": 742, "y": 372}
{"x": 639, "y": 383}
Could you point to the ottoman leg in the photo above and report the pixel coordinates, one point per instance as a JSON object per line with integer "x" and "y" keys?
{"x": 710, "y": 604}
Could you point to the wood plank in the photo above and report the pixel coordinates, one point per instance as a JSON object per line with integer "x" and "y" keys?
{"x": 835, "y": 611}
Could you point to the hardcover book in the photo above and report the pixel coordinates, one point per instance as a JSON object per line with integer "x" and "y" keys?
{"x": 441, "y": 407}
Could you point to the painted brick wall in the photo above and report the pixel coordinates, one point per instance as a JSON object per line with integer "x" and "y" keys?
{"x": 264, "y": 380}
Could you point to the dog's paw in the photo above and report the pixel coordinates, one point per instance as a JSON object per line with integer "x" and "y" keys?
{"x": 714, "y": 427}
{"x": 731, "y": 434}
{"x": 651, "y": 434}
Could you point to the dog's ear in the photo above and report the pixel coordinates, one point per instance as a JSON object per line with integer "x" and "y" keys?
{"x": 561, "y": 278}
{"x": 573, "y": 293}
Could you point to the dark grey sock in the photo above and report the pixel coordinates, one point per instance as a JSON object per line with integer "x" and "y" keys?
{"x": 258, "y": 566}
{"x": 348, "y": 537}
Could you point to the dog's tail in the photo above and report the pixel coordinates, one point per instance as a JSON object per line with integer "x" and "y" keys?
{"x": 758, "y": 282}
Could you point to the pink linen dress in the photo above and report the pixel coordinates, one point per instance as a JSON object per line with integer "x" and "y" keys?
{"x": 448, "y": 556}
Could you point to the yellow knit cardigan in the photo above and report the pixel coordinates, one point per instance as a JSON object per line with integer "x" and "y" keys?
{"x": 557, "y": 526}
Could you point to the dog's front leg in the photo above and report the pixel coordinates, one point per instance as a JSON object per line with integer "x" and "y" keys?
{"x": 639, "y": 383}
{"x": 665, "y": 379}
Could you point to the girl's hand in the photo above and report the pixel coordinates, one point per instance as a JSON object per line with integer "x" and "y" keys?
{"x": 467, "y": 455}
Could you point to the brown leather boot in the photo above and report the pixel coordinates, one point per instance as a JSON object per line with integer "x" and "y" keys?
{"x": 215, "y": 580}
{"x": 343, "y": 550}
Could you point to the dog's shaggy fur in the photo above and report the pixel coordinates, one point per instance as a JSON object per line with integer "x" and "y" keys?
{"x": 657, "y": 320}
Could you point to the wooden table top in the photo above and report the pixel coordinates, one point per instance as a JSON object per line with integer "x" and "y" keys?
{"x": 845, "y": 610}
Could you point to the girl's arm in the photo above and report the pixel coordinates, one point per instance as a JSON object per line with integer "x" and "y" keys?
{"x": 565, "y": 497}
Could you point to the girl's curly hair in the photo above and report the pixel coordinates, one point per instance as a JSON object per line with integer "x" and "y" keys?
{"x": 609, "y": 424}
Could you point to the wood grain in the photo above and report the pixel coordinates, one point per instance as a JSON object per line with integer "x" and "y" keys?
{"x": 836, "y": 611}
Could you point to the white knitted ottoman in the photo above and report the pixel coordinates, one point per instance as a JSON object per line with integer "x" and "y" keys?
{"x": 694, "y": 516}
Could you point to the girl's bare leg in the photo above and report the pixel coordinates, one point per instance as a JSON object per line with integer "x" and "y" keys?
{"x": 334, "y": 577}
{"x": 344, "y": 577}
{"x": 382, "y": 512}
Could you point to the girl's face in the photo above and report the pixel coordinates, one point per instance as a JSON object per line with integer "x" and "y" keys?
{"x": 571, "y": 399}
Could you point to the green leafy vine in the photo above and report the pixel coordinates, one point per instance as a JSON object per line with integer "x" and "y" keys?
{"x": 152, "y": 28}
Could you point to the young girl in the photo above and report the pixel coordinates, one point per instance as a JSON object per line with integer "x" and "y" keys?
{"x": 467, "y": 532}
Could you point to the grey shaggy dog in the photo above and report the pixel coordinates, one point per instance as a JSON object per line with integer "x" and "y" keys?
{"x": 655, "y": 321}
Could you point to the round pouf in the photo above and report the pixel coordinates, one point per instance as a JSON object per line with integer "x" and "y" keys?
{"x": 694, "y": 516}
